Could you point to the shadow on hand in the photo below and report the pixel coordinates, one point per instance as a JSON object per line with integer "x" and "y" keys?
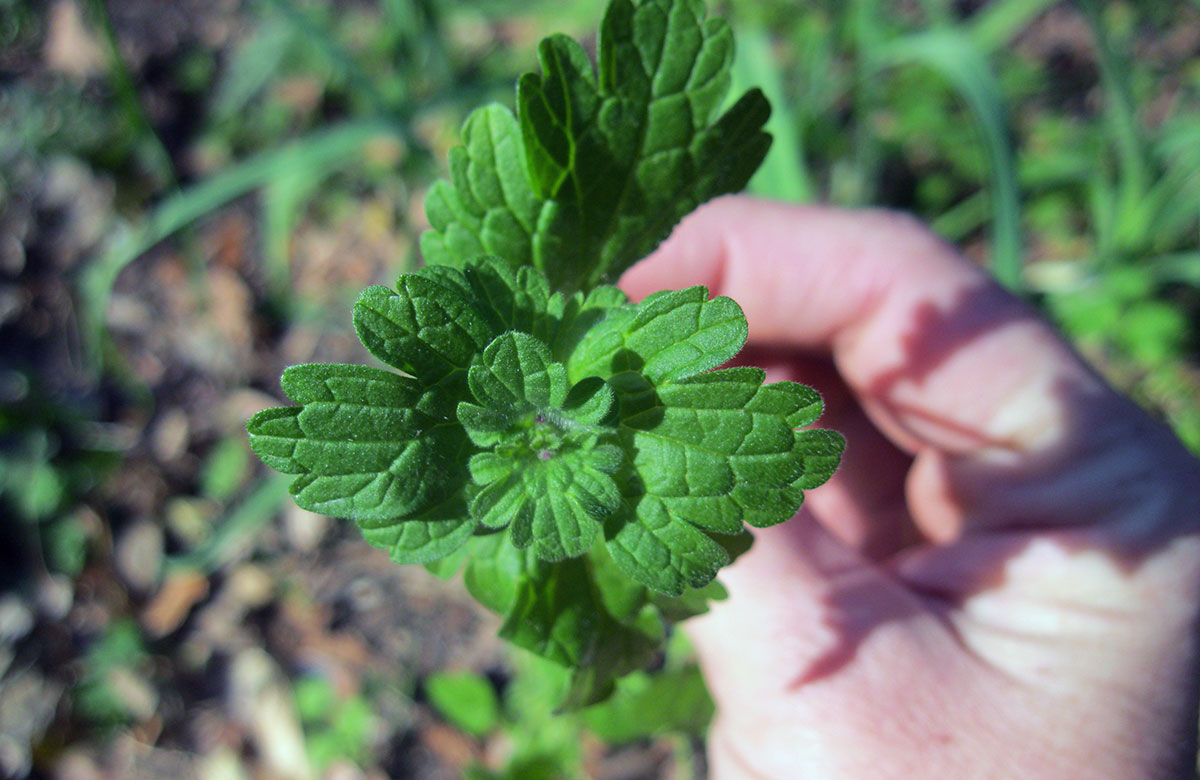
{"x": 1112, "y": 481}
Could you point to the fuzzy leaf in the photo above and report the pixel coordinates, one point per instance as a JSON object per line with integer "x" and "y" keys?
{"x": 363, "y": 449}
{"x": 822, "y": 451}
{"x": 621, "y": 158}
{"x": 428, "y": 536}
{"x": 670, "y": 335}
{"x": 558, "y": 505}
{"x": 663, "y": 552}
{"x": 581, "y": 458}
{"x": 359, "y": 443}
{"x": 487, "y": 207}
{"x": 518, "y": 369}
{"x": 710, "y": 453}
{"x": 519, "y": 300}
{"x": 603, "y": 166}
{"x": 546, "y": 476}
{"x": 425, "y": 328}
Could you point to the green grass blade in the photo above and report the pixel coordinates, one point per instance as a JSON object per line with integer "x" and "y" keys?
{"x": 123, "y": 85}
{"x": 997, "y": 23}
{"x": 783, "y": 174}
{"x": 356, "y": 77}
{"x": 964, "y": 217}
{"x": 323, "y": 150}
{"x": 953, "y": 54}
{"x": 237, "y": 528}
{"x": 283, "y": 200}
{"x": 1133, "y": 220}
{"x": 1180, "y": 268}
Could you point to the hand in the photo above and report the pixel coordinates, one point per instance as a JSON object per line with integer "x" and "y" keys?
{"x": 1001, "y": 580}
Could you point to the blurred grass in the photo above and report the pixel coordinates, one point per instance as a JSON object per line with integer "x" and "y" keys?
{"x": 290, "y": 172}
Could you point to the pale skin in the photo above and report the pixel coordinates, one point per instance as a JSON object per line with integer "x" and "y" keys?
{"x": 1002, "y": 579}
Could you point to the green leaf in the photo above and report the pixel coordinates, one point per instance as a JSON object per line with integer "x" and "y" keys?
{"x": 426, "y": 328}
{"x": 224, "y": 469}
{"x": 706, "y": 451}
{"x": 428, "y": 536}
{"x": 646, "y": 705}
{"x": 582, "y": 313}
{"x": 710, "y": 453}
{"x": 487, "y": 207}
{"x": 465, "y": 699}
{"x": 694, "y": 601}
{"x": 664, "y": 552}
{"x": 610, "y": 163}
{"x": 547, "y": 476}
{"x": 590, "y": 402}
{"x": 518, "y": 369}
{"x": 821, "y": 451}
{"x": 622, "y": 157}
{"x": 363, "y": 449}
{"x": 581, "y": 458}
{"x": 519, "y": 300}
{"x": 557, "y": 505}
{"x": 668, "y": 336}
{"x": 494, "y": 572}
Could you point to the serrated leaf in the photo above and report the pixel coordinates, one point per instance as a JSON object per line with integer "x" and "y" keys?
{"x": 668, "y": 336}
{"x": 428, "y": 536}
{"x": 518, "y": 369}
{"x": 519, "y": 300}
{"x": 424, "y": 328}
{"x": 582, "y": 313}
{"x": 663, "y": 552}
{"x": 551, "y": 435}
{"x": 822, "y": 451}
{"x": 606, "y": 165}
{"x": 361, "y": 446}
{"x": 711, "y": 458}
{"x": 590, "y": 402}
{"x": 710, "y": 453}
{"x": 800, "y": 404}
{"x": 488, "y": 206}
{"x": 622, "y": 157}
{"x": 556, "y": 505}
{"x": 692, "y": 602}
{"x": 273, "y": 436}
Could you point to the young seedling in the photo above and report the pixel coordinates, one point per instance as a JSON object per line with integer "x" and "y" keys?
{"x": 582, "y": 458}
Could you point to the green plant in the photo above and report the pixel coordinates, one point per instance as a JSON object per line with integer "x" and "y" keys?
{"x": 582, "y": 454}
{"x": 111, "y": 690}
{"x": 670, "y": 704}
{"x": 334, "y": 726}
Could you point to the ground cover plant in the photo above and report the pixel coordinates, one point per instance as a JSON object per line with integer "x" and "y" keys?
{"x": 583, "y": 453}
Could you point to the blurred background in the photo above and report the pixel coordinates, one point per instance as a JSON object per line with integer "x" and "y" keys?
{"x": 193, "y": 193}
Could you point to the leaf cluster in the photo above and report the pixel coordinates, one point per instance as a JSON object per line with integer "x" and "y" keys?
{"x": 581, "y": 457}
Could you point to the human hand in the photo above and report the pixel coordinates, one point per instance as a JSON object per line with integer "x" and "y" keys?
{"x": 1001, "y": 580}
